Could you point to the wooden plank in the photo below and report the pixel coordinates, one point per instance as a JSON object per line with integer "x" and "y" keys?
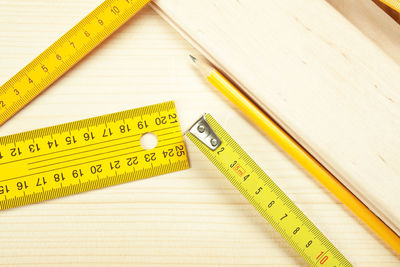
{"x": 373, "y": 23}
{"x": 325, "y": 82}
{"x": 393, "y": 13}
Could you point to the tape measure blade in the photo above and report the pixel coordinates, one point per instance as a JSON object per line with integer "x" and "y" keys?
{"x": 62, "y": 55}
{"x": 89, "y": 154}
{"x": 256, "y": 186}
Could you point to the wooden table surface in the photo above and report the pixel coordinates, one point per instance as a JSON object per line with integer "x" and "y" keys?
{"x": 193, "y": 217}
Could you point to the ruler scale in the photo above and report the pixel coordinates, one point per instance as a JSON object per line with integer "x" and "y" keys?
{"x": 89, "y": 154}
{"x": 264, "y": 194}
{"x": 64, "y": 54}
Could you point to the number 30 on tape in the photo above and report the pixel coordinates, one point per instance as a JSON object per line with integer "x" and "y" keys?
{"x": 89, "y": 154}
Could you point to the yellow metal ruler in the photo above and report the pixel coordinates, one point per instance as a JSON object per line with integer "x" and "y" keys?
{"x": 264, "y": 194}
{"x": 64, "y": 54}
{"x": 89, "y": 154}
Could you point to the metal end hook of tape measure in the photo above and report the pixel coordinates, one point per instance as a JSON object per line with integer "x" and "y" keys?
{"x": 203, "y": 131}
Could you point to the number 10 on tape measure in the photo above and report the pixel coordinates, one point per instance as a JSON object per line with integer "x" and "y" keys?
{"x": 264, "y": 194}
{"x": 89, "y": 154}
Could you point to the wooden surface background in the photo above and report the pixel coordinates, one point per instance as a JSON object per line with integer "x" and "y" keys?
{"x": 193, "y": 217}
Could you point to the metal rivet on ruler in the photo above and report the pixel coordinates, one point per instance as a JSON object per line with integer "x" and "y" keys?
{"x": 201, "y": 128}
{"x": 214, "y": 142}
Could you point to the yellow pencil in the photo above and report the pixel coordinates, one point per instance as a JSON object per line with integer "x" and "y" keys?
{"x": 297, "y": 152}
{"x": 394, "y": 4}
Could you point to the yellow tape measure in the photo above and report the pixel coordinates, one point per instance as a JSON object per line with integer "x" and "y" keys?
{"x": 64, "y": 53}
{"x": 264, "y": 194}
{"x": 89, "y": 154}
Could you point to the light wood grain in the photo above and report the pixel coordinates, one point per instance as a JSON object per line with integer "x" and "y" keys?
{"x": 194, "y": 217}
{"x": 373, "y": 22}
{"x": 324, "y": 81}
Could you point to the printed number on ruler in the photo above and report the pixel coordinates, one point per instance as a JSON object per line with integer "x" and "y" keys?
{"x": 89, "y": 154}
{"x": 64, "y": 53}
{"x": 264, "y": 194}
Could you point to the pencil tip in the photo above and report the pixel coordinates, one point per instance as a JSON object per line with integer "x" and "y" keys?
{"x": 193, "y": 58}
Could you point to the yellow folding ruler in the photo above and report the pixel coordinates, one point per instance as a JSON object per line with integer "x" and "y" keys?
{"x": 89, "y": 154}
{"x": 264, "y": 194}
{"x": 64, "y": 54}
